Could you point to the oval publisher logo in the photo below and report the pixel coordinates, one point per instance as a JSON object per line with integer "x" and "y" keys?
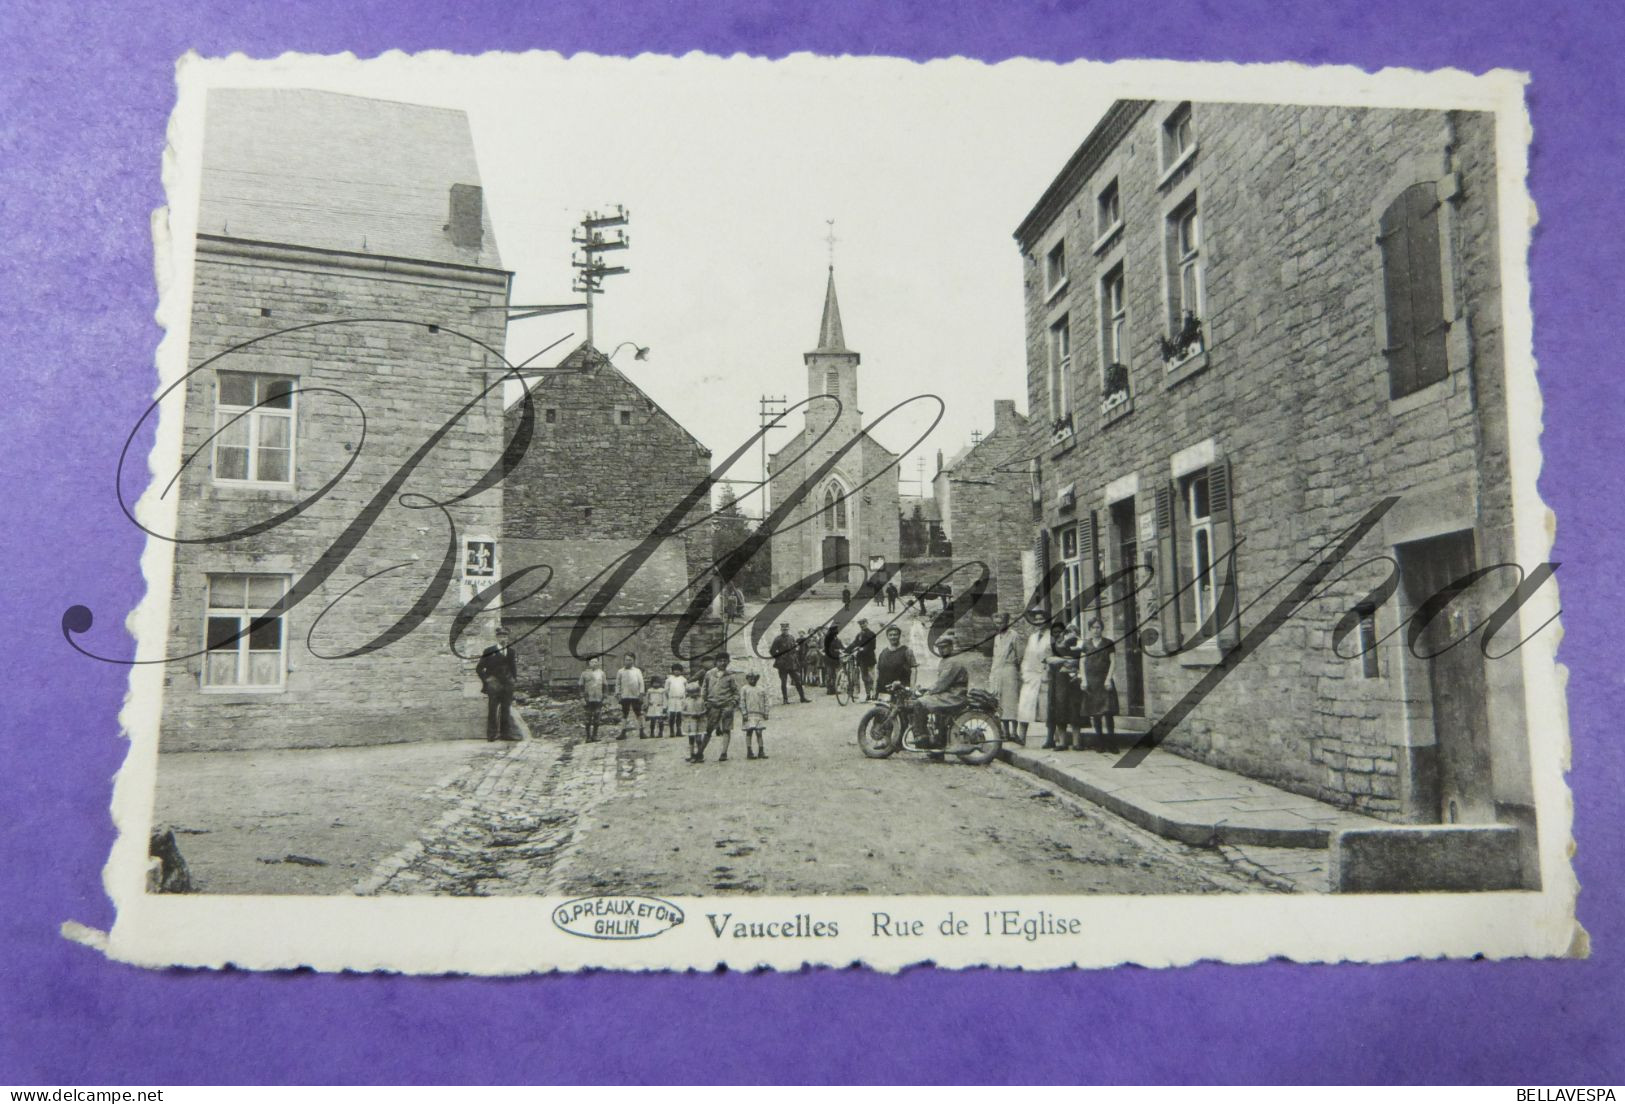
{"x": 617, "y": 917}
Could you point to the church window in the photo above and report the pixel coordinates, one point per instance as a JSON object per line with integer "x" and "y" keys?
{"x": 834, "y": 507}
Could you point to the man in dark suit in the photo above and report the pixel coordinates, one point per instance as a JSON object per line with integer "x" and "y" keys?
{"x": 499, "y": 673}
{"x": 785, "y": 651}
{"x": 864, "y": 645}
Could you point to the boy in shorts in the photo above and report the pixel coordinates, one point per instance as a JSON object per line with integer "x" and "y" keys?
{"x": 754, "y": 704}
{"x": 721, "y": 697}
{"x": 629, "y": 688}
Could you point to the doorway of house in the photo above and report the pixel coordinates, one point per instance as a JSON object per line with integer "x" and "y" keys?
{"x": 1125, "y": 602}
{"x": 1430, "y": 570}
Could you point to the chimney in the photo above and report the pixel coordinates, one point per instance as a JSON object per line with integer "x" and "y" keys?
{"x": 467, "y": 207}
{"x": 1004, "y": 414}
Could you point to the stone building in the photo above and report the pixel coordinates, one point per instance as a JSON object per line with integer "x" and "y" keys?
{"x": 1247, "y": 325}
{"x": 345, "y": 272}
{"x": 982, "y": 495}
{"x": 605, "y": 470}
{"x": 846, "y": 521}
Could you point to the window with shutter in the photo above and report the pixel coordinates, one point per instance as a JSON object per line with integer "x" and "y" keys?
{"x": 1039, "y": 605}
{"x": 1227, "y": 631}
{"x": 1166, "y": 570}
{"x": 1089, "y": 564}
{"x": 1413, "y": 291}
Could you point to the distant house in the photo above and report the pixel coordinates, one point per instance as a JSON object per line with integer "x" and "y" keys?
{"x": 983, "y": 497}
{"x": 605, "y": 468}
{"x": 343, "y": 246}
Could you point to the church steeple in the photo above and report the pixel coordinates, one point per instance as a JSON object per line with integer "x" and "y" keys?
{"x": 830, "y": 337}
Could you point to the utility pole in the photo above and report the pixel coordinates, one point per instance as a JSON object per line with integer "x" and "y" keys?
{"x": 590, "y": 241}
{"x": 768, "y": 407}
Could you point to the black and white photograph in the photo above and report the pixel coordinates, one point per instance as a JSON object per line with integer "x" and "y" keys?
{"x": 684, "y": 511}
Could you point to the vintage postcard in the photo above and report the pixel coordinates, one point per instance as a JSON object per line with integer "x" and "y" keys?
{"x": 669, "y": 512}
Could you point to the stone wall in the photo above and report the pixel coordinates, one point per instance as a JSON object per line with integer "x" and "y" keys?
{"x": 991, "y": 507}
{"x": 1292, "y": 391}
{"x": 605, "y": 462}
{"x": 409, "y": 377}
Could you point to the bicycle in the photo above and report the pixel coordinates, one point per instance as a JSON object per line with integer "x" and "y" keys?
{"x": 848, "y": 680}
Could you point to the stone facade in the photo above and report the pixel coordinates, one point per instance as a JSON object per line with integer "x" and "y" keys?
{"x": 1281, "y": 414}
{"x": 984, "y": 497}
{"x": 849, "y": 515}
{"x": 272, "y": 323}
{"x": 606, "y": 468}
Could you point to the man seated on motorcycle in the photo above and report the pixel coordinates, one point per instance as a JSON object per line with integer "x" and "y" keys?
{"x": 947, "y": 696}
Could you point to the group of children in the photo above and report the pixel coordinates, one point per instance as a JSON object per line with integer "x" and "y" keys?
{"x": 698, "y": 703}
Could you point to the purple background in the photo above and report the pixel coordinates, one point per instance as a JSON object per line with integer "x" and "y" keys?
{"x": 86, "y": 97}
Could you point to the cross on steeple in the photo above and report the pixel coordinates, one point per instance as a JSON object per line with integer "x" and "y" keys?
{"x": 830, "y": 239}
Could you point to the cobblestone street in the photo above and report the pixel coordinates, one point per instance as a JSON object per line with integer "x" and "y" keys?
{"x": 561, "y": 816}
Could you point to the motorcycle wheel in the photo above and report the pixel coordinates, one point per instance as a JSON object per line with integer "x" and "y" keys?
{"x": 878, "y": 733}
{"x": 843, "y": 686}
{"x": 983, "y": 732}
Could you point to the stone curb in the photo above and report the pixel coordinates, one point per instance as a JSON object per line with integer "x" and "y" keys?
{"x": 1157, "y": 818}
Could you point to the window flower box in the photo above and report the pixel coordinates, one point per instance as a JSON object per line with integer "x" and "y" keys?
{"x": 1184, "y": 345}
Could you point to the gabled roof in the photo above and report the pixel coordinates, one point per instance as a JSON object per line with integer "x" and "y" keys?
{"x": 576, "y": 564}
{"x": 575, "y": 364}
{"x": 328, "y": 171}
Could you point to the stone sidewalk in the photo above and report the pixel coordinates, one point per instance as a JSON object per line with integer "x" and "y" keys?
{"x": 1191, "y": 802}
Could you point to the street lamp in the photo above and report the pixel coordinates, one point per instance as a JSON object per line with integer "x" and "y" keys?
{"x": 642, "y": 352}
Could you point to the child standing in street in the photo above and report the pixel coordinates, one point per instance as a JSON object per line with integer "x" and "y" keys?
{"x": 694, "y": 708}
{"x": 722, "y": 688}
{"x": 676, "y": 700}
{"x": 593, "y": 683}
{"x": 629, "y": 688}
{"x": 754, "y": 704}
{"x": 654, "y": 709}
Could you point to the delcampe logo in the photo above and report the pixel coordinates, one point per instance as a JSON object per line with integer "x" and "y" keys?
{"x": 617, "y": 917}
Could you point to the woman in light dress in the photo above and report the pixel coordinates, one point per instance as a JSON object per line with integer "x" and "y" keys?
{"x": 1006, "y": 677}
{"x": 919, "y": 642}
{"x": 1034, "y": 668}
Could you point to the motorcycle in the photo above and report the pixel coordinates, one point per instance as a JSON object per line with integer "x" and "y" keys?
{"x": 973, "y": 732}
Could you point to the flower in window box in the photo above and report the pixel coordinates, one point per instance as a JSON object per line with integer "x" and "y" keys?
{"x": 1115, "y": 382}
{"x": 1185, "y": 343}
{"x": 1061, "y": 427}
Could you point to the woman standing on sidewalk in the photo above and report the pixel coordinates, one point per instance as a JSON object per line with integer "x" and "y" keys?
{"x": 1065, "y": 695}
{"x": 1099, "y": 688}
{"x": 1006, "y": 678}
{"x": 1034, "y": 667}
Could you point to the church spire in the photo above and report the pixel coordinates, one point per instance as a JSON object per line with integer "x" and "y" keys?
{"x": 830, "y": 337}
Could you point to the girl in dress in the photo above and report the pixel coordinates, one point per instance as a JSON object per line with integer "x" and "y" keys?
{"x": 694, "y": 703}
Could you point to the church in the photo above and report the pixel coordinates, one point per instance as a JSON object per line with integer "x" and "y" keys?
{"x": 846, "y": 525}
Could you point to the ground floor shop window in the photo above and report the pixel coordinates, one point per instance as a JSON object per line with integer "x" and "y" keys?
{"x": 243, "y": 646}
